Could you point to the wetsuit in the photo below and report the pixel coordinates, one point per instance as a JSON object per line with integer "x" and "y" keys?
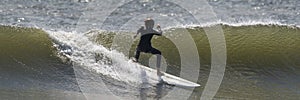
{"x": 145, "y": 44}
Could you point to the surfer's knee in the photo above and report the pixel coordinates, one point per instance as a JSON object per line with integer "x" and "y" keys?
{"x": 155, "y": 51}
{"x": 158, "y": 52}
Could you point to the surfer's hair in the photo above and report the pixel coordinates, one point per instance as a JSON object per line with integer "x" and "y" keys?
{"x": 149, "y": 23}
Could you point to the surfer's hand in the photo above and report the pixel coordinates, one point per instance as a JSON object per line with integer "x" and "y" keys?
{"x": 158, "y": 26}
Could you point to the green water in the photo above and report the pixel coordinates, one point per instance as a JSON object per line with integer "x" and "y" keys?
{"x": 262, "y": 62}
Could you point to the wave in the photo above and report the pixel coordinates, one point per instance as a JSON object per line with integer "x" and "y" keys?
{"x": 262, "y": 56}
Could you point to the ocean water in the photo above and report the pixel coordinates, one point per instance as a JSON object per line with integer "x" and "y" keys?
{"x": 79, "y": 49}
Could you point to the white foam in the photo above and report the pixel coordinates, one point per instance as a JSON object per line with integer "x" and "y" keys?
{"x": 84, "y": 54}
{"x": 235, "y": 24}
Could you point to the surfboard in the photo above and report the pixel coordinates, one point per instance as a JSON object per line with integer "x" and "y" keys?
{"x": 168, "y": 78}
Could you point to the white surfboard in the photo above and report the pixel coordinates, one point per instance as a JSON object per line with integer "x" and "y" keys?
{"x": 174, "y": 80}
{"x": 168, "y": 78}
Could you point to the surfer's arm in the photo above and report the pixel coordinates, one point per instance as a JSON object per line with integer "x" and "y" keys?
{"x": 138, "y": 31}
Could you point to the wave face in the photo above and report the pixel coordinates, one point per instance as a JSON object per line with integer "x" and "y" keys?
{"x": 262, "y": 62}
{"x": 29, "y": 65}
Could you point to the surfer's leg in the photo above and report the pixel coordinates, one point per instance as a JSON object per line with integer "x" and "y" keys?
{"x": 158, "y": 63}
{"x": 158, "y": 60}
{"x": 137, "y": 55}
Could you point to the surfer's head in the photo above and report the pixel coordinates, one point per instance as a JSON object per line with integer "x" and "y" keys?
{"x": 149, "y": 23}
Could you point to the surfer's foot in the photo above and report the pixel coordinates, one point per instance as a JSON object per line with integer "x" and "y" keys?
{"x": 160, "y": 73}
{"x": 134, "y": 60}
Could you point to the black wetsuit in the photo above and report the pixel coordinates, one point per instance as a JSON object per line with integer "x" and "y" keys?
{"x": 145, "y": 45}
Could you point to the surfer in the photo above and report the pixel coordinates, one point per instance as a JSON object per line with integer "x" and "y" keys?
{"x": 145, "y": 42}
